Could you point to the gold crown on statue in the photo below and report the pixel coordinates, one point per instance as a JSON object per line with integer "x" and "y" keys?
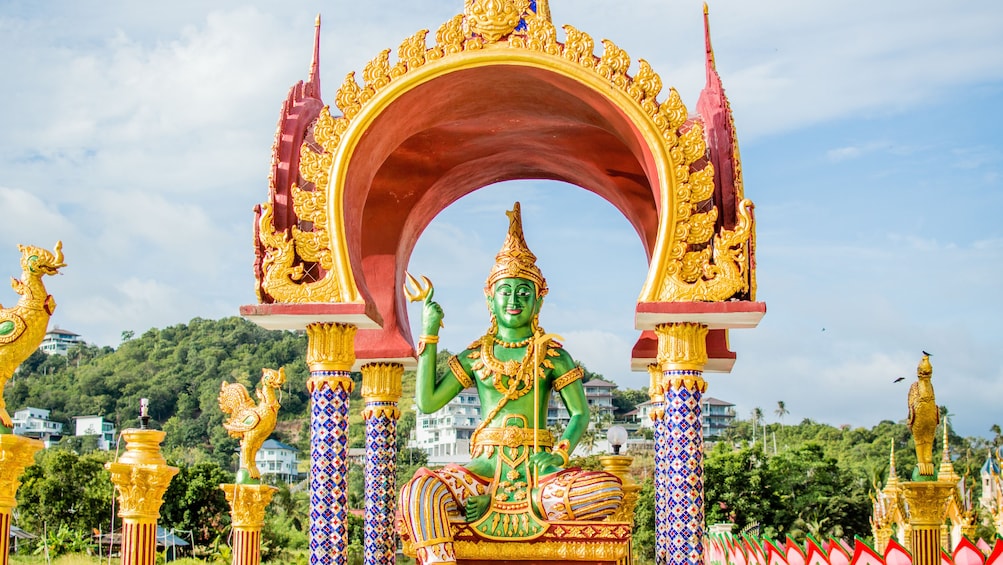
{"x": 515, "y": 259}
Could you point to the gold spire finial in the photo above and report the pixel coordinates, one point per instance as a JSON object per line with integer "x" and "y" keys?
{"x": 515, "y": 259}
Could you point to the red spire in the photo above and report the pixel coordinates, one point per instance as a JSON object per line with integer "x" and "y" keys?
{"x": 719, "y": 132}
{"x": 711, "y": 66}
{"x": 313, "y": 82}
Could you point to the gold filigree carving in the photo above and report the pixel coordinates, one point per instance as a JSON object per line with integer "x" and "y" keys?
{"x": 541, "y": 35}
{"x": 410, "y": 54}
{"x": 494, "y": 19}
{"x": 247, "y": 505}
{"x": 579, "y": 47}
{"x": 349, "y": 97}
{"x": 376, "y": 75}
{"x": 614, "y": 64}
{"x": 695, "y": 277}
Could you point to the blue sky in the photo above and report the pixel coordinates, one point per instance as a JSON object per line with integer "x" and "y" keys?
{"x": 140, "y": 135}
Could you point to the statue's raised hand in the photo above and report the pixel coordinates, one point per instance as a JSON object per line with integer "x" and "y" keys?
{"x": 431, "y": 315}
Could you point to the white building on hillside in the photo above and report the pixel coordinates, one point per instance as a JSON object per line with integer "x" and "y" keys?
{"x": 96, "y": 426}
{"x": 445, "y": 435}
{"x": 58, "y": 341}
{"x": 599, "y": 394}
{"x": 35, "y": 423}
{"x": 278, "y": 460}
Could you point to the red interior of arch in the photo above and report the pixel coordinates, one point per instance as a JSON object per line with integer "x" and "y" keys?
{"x": 468, "y": 129}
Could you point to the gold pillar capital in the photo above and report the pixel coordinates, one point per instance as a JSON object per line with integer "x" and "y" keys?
{"x": 16, "y": 453}
{"x": 682, "y": 351}
{"x": 928, "y": 501}
{"x": 141, "y": 475}
{"x": 382, "y": 383}
{"x": 247, "y": 504}
{"x": 330, "y": 348}
{"x": 682, "y": 346}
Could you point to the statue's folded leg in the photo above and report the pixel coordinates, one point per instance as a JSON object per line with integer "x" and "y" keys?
{"x": 574, "y": 494}
{"x": 429, "y": 502}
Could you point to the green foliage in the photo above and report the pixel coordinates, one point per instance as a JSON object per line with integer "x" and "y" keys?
{"x": 195, "y": 502}
{"x": 179, "y": 368}
{"x": 63, "y": 490}
{"x": 63, "y": 541}
{"x": 627, "y": 400}
{"x": 644, "y": 524}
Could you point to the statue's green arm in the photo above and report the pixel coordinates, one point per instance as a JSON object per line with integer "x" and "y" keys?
{"x": 429, "y": 395}
{"x": 573, "y": 396}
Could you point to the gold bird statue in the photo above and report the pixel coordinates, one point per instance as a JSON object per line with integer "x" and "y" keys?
{"x": 23, "y": 327}
{"x": 250, "y": 423}
{"x": 924, "y": 415}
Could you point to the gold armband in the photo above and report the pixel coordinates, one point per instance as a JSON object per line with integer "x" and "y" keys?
{"x": 568, "y": 378}
{"x": 561, "y": 449}
{"x": 424, "y": 340}
{"x": 457, "y": 369}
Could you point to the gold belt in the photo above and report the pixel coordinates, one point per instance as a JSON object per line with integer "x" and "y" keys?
{"x": 511, "y": 436}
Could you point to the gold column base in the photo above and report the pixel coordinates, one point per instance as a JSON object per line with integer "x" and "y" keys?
{"x": 619, "y": 466}
{"x": 927, "y": 502}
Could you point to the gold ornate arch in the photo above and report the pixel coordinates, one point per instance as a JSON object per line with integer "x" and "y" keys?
{"x": 695, "y": 254}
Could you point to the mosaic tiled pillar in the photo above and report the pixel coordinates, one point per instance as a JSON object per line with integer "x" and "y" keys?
{"x": 247, "y": 517}
{"x": 679, "y": 504}
{"x": 16, "y": 453}
{"x": 381, "y": 389}
{"x": 330, "y": 355}
{"x": 141, "y": 476}
{"x": 661, "y": 470}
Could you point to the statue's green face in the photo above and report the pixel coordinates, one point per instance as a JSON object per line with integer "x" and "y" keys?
{"x": 514, "y": 302}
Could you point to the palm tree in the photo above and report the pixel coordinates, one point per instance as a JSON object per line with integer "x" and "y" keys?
{"x": 757, "y": 417}
{"x": 781, "y": 411}
{"x": 997, "y": 434}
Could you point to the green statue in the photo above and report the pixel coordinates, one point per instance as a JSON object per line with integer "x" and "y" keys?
{"x": 517, "y": 481}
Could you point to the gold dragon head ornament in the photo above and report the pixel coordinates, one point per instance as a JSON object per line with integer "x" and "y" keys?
{"x": 515, "y": 260}
{"x": 40, "y": 261}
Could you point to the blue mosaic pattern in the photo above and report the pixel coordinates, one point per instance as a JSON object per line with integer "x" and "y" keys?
{"x": 661, "y": 478}
{"x": 683, "y": 500}
{"x": 381, "y": 485}
{"x": 329, "y": 472}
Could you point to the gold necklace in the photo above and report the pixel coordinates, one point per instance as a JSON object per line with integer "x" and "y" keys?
{"x": 519, "y": 373}
{"x": 513, "y": 344}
